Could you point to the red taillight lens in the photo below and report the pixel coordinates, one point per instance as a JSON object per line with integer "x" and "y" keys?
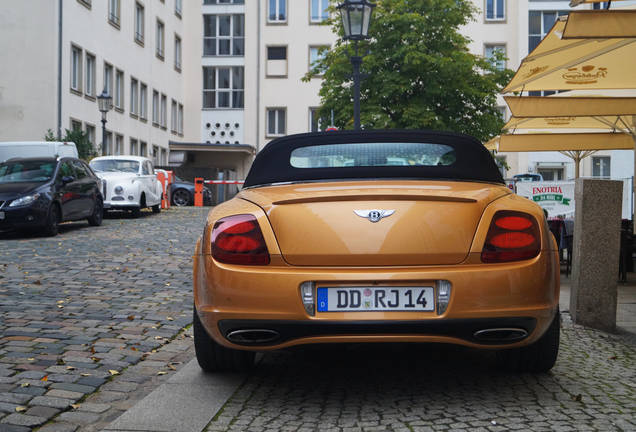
{"x": 512, "y": 236}
{"x": 239, "y": 240}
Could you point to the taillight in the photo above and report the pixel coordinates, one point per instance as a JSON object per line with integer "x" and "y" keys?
{"x": 239, "y": 240}
{"x": 512, "y": 236}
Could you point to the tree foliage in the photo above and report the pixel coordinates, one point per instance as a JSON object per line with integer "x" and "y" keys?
{"x": 419, "y": 72}
{"x": 84, "y": 146}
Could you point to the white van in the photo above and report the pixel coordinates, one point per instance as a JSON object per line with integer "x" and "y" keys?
{"x": 30, "y": 149}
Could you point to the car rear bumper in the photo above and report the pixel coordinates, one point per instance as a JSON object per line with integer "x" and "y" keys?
{"x": 522, "y": 295}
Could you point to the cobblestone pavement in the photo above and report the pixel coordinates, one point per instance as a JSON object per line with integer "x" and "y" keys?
{"x": 438, "y": 388}
{"x": 79, "y": 309}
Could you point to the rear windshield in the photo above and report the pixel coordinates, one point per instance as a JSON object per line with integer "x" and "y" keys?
{"x": 377, "y": 154}
{"x": 26, "y": 171}
{"x": 113, "y": 165}
{"x": 373, "y": 155}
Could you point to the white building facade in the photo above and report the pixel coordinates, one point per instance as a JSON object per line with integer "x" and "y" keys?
{"x": 132, "y": 49}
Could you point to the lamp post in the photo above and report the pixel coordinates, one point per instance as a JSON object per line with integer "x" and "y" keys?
{"x": 105, "y": 104}
{"x": 356, "y": 16}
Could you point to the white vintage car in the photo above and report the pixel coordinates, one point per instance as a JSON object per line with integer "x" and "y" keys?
{"x": 130, "y": 183}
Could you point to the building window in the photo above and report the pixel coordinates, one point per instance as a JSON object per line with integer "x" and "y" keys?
{"x": 173, "y": 116}
{"x": 276, "y": 61}
{"x": 277, "y": 11}
{"x": 90, "y": 134}
{"x": 601, "y": 166}
{"x": 76, "y": 68}
{"x": 76, "y": 125}
{"x": 119, "y": 90}
{"x": 143, "y": 149}
{"x": 223, "y": 35}
{"x": 495, "y": 10}
{"x": 114, "y": 12}
{"x": 319, "y": 10}
{"x": 180, "y": 120}
{"x": 164, "y": 111}
{"x": 119, "y": 145}
{"x": 155, "y": 155}
{"x": 134, "y": 96}
{"x": 143, "y": 101}
{"x": 178, "y": 6}
{"x": 139, "y": 23}
{"x": 489, "y": 52}
{"x": 539, "y": 24}
{"x": 108, "y": 79}
{"x": 316, "y": 122}
{"x": 164, "y": 157}
{"x": 155, "y": 107}
{"x": 134, "y": 147}
{"x": 108, "y": 144}
{"x": 551, "y": 174}
{"x": 276, "y": 121}
{"x": 214, "y": 2}
{"x": 223, "y": 87}
{"x": 86, "y": 3}
{"x": 316, "y": 54}
{"x": 177, "y": 53}
{"x": 160, "y": 40}
{"x": 89, "y": 89}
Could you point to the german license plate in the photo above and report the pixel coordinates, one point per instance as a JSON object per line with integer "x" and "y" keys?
{"x": 1, "y": 215}
{"x": 368, "y": 299}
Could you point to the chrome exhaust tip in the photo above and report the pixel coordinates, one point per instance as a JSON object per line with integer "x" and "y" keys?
{"x": 252, "y": 336}
{"x": 501, "y": 335}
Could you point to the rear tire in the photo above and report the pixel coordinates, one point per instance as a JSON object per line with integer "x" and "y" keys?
{"x": 538, "y": 357}
{"x": 213, "y": 357}
{"x": 52, "y": 220}
{"x": 98, "y": 213}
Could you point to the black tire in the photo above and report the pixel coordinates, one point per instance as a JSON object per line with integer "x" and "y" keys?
{"x": 181, "y": 198}
{"x": 136, "y": 211}
{"x": 538, "y": 357}
{"x": 157, "y": 208}
{"x": 98, "y": 213}
{"x": 52, "y": 221}
{"x": 213, "y": 357}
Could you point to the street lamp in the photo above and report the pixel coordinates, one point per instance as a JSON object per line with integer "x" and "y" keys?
{"x": 356, "y": 16}
{"x": 105, "y": 104}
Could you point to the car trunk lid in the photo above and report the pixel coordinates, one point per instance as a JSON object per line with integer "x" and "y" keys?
{"x": 331, "y": 224}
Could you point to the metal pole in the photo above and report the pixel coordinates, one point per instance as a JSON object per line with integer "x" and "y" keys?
{"x": 356, "y": 61}
{"x": 59, "y": 70}
{"x": 103, "y": 134}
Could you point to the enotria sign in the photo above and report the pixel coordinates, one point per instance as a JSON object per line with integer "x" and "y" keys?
{"x": 556, "y": 197}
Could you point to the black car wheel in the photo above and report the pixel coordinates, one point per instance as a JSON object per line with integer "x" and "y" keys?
{"x": 213, "y": 357}
{"x": 98, "y": 213}
{"x": 181, "y": 197}
{"x": 52, "y": 221}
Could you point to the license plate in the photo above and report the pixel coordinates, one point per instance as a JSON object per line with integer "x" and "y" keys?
{"x": 368, "y": 299}
{"x": 1, "y": 215}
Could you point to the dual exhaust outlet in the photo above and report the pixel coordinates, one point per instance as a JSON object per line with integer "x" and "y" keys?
{"x": 267, "y": 336}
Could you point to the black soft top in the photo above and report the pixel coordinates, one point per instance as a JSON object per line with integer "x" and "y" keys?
{"x": 473, "y": 161}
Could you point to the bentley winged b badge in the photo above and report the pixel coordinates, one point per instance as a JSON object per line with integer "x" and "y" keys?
{"x": 374, "y": 215}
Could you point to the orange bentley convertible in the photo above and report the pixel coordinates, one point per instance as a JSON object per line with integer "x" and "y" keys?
{"x": 376, "y": 237}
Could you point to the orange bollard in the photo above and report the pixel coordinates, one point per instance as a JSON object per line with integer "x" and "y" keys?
{"x": 198, "y": 192}
{"x": 162, "y": 177}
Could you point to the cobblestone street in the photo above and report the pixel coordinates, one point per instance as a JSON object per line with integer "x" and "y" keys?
{"x": 438, "y": 388}
{"x": 79, "y": 308}
{"x": 93, "y": 320}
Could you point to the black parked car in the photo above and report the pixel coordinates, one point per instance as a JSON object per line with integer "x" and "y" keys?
{"x": 182, "y": 193}
{"x": 40, "y": 193}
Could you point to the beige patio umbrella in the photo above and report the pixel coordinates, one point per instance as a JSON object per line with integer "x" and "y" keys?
{"x": 573, "y": 64}
{"x": 599, "y": 24}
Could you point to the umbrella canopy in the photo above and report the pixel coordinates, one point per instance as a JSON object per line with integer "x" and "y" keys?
{"x": 581, "y": 103}
{"x": 572, "y": 64}
{"x": 565, "y": 142}
{"x": 599, "y": 24}
{"x": 492, "y": 144}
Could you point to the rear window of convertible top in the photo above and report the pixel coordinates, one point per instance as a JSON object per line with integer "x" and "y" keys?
{"x": 373, "y": 154}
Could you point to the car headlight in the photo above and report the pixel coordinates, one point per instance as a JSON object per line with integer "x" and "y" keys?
{"x": 119, "y": 190}
{"x": 25, "y": 200}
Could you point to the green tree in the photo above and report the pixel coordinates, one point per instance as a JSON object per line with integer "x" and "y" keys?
{"x": 84, "y": 146}
{"x": 419, "y": 72}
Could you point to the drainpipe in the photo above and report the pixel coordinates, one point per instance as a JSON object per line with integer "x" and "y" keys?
{"x": 59, "y": 71}
{"x": 258, "y": 79}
